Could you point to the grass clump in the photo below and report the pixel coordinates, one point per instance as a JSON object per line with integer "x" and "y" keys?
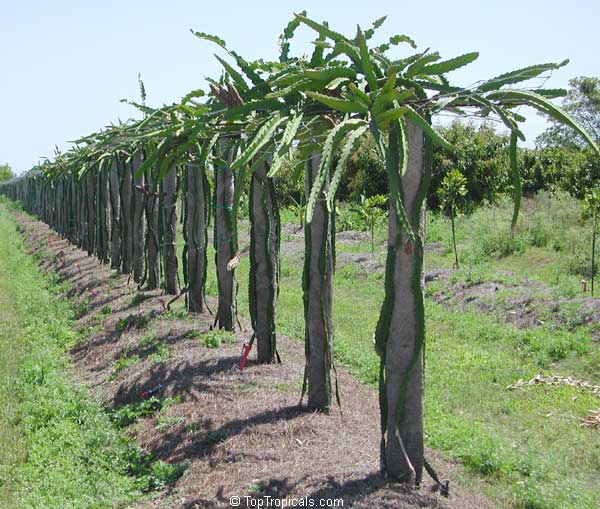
{"x": 128, "y": 414}
{"x": 216, "y": 337}
{"x": 122, "y": 363}
{"x": 151, "y": 474}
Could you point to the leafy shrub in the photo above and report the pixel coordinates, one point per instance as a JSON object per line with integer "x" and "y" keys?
{"x": 501, "y": 243}
{"x": 346, "y": 219}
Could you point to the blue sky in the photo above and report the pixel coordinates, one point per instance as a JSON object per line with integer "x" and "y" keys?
{"x": 66, "y": 64}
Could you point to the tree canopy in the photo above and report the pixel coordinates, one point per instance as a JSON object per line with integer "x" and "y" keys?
{"x": 583, "y": 104}
{"x": 6, "y": 172}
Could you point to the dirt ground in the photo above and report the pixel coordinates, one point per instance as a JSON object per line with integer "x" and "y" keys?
{"x": 241, "y": 433}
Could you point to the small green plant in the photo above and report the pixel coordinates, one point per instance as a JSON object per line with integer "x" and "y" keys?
{"x": 452, "y": 194}
{"x": 147, "y": 339}
{"x": 105, "y": 310}
{"x": 175, "y": 314}
{"x": 298, "y": 208}
{"x": 164, "y": 422}
{"x": 346, "y": 219}
{"x": 372, "y": 211}
{"x": 81, "y": 308}
{"x": 192, "y": 427}
{"x": 161, "y": 352}
{"x": 123, "y": 363}
{"x": 216, "y": 337}
{"x": 193, "y": 334}
{"x": 150, "y": 474}
{"x": 214, "y": 437}
{"x": 139, "y": 321}
{"x": 127, "y": 414}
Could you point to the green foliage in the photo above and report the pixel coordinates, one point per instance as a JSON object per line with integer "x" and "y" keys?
{"x": 289, "y": 180}
{"x": 583, "y": 103}
{"x": 58, "y": 448}
{"x": 81, "y": 308}
{"x": 346, "y": 218}
{"x": 151, "y": 474}
{"x": 6, "y": 172}
{"x": 481, "y": 158}
{"x": 123, "y": 363}
{"x": 298, "y": 208}
{"x": 592, "y": 208}
{"x": 452, "y": 192}
{"x": 365, "y": 174}
{"x": 592, "y": 202}
{"x": 139, "y": 321}
{"x": 216, "y": 337}
{"x": 127, "y": 414}
{"x": 372, "y": 211}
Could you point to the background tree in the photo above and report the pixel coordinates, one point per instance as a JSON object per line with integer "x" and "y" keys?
{"x": 452, "y": 193}
{"x": 482, "y": 159}
{"x": 6, "y": 172}
{"x": 583, "y": 104}
{"x": 372, "y": 212}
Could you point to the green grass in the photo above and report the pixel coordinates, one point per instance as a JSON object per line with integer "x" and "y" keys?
{"x": 523, "y": 448}
{"x": 527, "y": 444}
{"x": 58, "y": 447}
{"x": 214, "y": 338}
{"x": 551, "y": 243}
{"x": 127, "y": 414}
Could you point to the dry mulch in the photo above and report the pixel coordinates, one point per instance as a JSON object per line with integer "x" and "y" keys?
{"x": 241, "y": 433}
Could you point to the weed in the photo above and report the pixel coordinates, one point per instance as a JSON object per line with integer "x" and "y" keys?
{"x": 139, "y": 321}
{"x": 81, "y": 308}
{"x": 176, "y": 314}
{"x": 161, "y": 352}
{"x": 214, "y": 437}
{"x": 123, "y": 363}
{"x": 192, "y": 427}
{"x": 149, "y": 473}
{"x": 216, "y": 337}
{"x": 194, "y": 334}
{"x": 127, "y": 414}
{"x": 164, "y": 422}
